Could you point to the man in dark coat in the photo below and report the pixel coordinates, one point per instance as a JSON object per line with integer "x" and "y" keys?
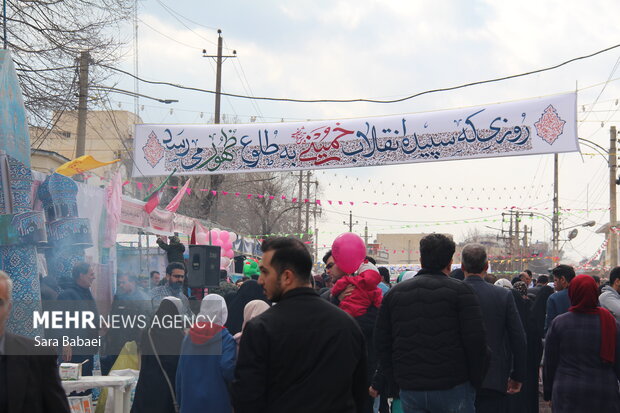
{"x": 542, "y": 281}
{"x": 174, "y": 250}
{"x": 430, "y": 335}
{"x": 559, "y": 302}
{"x": 290, "y": 350}
{"x": 29, "y": 380}
{"x": 505, "y": 334}
{"x": 77, "y": 297}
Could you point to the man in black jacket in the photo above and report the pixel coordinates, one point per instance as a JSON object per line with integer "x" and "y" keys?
{"x": 29, "y": 379}
{"x": 290, "y": 350}
{"x": 430, "y": 335}
{"x": 78, "y": 297}
{"x": 505, "y": 334}
{"x": 174, "y": 250}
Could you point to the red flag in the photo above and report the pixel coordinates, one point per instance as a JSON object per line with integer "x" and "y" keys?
{"x": 192, "y": 238}
{"x": 152, "y": 202}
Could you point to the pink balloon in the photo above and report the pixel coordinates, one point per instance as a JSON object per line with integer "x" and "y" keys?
{"x": 202, "y": 238}
{"x": 229, "y": 254}
{"x": 217, "y": 242}
{"x": 227, "y": 245}
{"x": 224, "y": 235}
{"x": 349, "y": 252}
{"x": 224, "y": 262}
{"x": 232, "y": 237}
{"x": 215, "y": 234}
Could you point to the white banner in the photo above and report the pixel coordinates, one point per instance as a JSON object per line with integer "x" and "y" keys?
{"x": 538, "y": 126}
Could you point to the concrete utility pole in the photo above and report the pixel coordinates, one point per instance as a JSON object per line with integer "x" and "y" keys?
{"x": 350, "y": 223}
{"x": 218, "y": 90}
{"x": 80, "y": 146}
{"x": 299, "y": 203}
{"x": 613, "y": 166}
{"x": 555, "y": 221}
{"x": 366, "y": 234}
{"x": 218, "y": 77}
{"x": 307, "y": 228}
{"x": 316, "y": 229}
{"x": 218, "y": 73}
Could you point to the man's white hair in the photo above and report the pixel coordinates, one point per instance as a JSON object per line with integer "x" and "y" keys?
{"x": 9, "y": 283}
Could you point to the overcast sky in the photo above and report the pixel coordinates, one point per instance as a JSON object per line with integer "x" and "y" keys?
{"x": 371, "y": 49}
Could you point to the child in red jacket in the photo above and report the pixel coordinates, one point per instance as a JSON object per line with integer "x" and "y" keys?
{"x": 366, "y": 292}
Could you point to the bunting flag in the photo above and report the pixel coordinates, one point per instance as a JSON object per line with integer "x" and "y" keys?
{"x": 114, "y": 192}
{"x": 152, "y": 200}
{"x": 176, "y": 201}
{"x": 81, "y": 164}
{"x": 393, "y": 203}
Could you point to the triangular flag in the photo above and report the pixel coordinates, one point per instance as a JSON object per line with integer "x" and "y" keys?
{"x": 192, "y": 238}
{"x": 81, "y": 164}
{"x": 176, "y": 201}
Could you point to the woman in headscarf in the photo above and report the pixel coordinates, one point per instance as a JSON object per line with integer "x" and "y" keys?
{"x": 582, "y": 354}
{"x": 251, "y": 310}
{"x": 249, "y": 290}
{"x": 207, "y": 361}
{"x": 517, "y": 403}
{"x": 155, "y": 388}
{"x": 502, "y": 282}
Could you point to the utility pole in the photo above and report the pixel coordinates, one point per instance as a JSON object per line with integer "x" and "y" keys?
{"x": 218, "y": 77}
{"x": 366, "y": 234}
{"x": 218, "y": 91}
{"x": 350, "y": 223}
{"x": 299, "y": 203}
{"x": 80, "y": 146}
{"x": 307, "y": 229}
{"x": 555, "y": 222}
{"x": 136, "y": 82}
{"x": 218, "y": 73}
{"x": 613, "y": 166}
{"x": 316, "y": 228}
{"x": 513, "y": 240}
{"x": 512, "y": 244}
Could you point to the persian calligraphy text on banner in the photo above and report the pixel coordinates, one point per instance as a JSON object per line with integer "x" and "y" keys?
{"x": 537, "y": 126}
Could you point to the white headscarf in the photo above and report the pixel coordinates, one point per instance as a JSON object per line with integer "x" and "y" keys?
{"x": 502, "y": 282}
{"x": 214, "y": 307}
{"x": 176, "y": 301}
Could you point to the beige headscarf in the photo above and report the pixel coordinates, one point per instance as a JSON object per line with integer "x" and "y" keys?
{"x": 253, "y": 309}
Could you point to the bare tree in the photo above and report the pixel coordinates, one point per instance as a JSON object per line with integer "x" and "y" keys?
{"x": 253, "y": 215}
{"x": 46, "y": 38}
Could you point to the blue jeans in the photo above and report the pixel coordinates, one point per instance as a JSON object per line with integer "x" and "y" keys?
{"x": 459, "y": 399}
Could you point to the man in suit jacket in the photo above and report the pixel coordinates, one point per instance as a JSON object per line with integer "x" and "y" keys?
{"x": 505, "y": 334}
{"x": 29, "y": 379}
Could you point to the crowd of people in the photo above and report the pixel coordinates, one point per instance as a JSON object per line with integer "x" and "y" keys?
{"x": 440, "y": 341}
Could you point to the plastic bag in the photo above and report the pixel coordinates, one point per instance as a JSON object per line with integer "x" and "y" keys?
{"x": 127, "y": 364}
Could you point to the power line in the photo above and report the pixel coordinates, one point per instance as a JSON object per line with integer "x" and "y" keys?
{"x": 166, "y": 36}
{"x": 175, "y": 13}
{"x": 364, "y": 99}
{"x": 134, "y": 94}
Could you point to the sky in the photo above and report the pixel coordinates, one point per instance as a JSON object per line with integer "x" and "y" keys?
{"x": 371, "y": 49}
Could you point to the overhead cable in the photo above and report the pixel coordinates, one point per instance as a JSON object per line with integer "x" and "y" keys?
{"x": 426, "y": 92}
